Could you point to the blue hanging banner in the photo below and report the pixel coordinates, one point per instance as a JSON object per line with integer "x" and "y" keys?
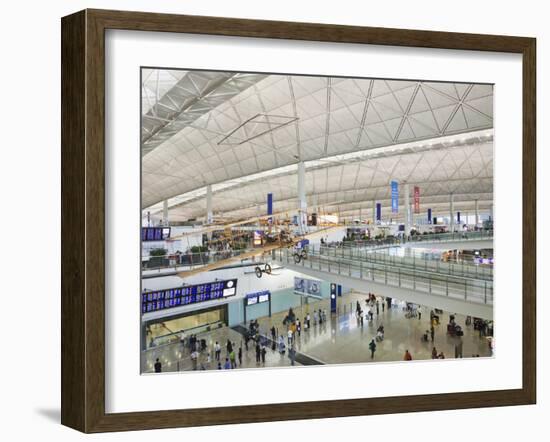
{"x": 458, "y": 217}
{"x": 429, "y": 216}
{"x": 394, "y": 197}
{"x": 270, "y": 207}
{"x": 378, "y": 212}
{"x": 339, "y": 290}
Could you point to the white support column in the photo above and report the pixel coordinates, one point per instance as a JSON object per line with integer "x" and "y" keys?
{"x": 477, "y": 212}
{"x": 407, "y": 193}
{"x": 209, "y": 213}
{"x": 165, "y": 213}
{"x": 452, "y": 215}
{"x": 302, "y": 201}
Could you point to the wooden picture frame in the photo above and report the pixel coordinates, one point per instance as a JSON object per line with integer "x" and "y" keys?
{"x": 83, "y": 219}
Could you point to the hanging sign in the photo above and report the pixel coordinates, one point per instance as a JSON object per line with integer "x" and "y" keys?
{"x": 394, "y": 197}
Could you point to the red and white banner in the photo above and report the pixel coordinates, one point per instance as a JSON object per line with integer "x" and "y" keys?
{"x": 416, "y": 199}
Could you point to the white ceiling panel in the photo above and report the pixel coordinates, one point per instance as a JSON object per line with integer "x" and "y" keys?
{"x": 273, "y": 121}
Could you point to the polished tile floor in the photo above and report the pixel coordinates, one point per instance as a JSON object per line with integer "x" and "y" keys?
{"x": 338, "y": 341}
{"x": 174, "y": 357}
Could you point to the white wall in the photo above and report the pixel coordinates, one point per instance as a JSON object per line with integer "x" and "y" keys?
{"x": 331, "y": 235}
{"x": 29, "y": 179}
{"x": 173, "y": 246}
{"x": 248, "y": 283}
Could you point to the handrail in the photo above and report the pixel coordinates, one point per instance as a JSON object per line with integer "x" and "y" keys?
{"x": 383, "y": 265}
{"x": 479, "y": 291}
{"x": 193, "y": 330}
{"x": 189, "y": 261}
{"x": 428, "y": 237}
{"x": 421, "y": 264}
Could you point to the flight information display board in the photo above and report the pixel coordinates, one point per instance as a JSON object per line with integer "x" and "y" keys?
{"x": 155, "y": 233}
{"x": 191, "y": 294}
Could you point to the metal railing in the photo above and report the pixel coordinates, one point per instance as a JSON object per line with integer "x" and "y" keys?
{"x": 438, "y": 284}
{"x": 428, "y": 237}
{"x": 189, "y": 261}
{"x": 420, "y": 263}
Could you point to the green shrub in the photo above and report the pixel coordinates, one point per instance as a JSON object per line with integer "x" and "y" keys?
{"x": 158, "y": 252}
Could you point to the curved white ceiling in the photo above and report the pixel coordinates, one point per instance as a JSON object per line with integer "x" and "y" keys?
{"x": 220, "y": 128}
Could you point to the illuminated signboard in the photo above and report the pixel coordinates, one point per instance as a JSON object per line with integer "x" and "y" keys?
{"x": 258, "y": 297}
{"x": 191, "y": 294}
{"x": 263, "y": 297}
{"x": 155, "y": 233}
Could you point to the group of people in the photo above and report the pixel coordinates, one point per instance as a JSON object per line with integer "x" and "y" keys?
{"x": 372, "y": 347}
{"x": 372, "y": 303}
{"x": 193, "y": 342}
{"x": 436, "y": 355}
{"x": 287, "y": 339}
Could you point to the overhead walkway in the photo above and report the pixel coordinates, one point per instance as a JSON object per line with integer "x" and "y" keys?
{"x": 424, "y": 263}
{"x": 423, "y": 240}
{"x": 189, "y": 262}
{"x": 450, "y": 292}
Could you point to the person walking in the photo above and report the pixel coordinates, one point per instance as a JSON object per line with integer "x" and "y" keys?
{"x": 432, "y": 331}
{"x": 299, "y": 327}
{"x": 292, "y": 355}
{"x": 258, "y": 352}
{"x": 372, "y": 348}
{"x": 281, "y": 344}
{"x": 434, "y": 353}
{"x": 194, "y": 359}
{"x": 408, "y": 356}
{"x": 158, "y": 366}
{"x": 217, "y": 350}
{"x": 240, "y": 356}
{"x": 264, "y": 351}
{"x": 229, "y": 347}
{"x": 377, "y": 308}
{"x": 419, "y": 312}
{"x": 289, "y": 336}
{"x": 383, "y": 306}
{"x": 461, "y": 348}
{"x": 232, "y": 359}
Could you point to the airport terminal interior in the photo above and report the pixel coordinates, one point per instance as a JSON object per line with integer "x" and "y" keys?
{"x": 292, "y": 221}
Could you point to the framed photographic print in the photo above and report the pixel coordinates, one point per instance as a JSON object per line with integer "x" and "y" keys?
{"x": 266, "y": 221}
